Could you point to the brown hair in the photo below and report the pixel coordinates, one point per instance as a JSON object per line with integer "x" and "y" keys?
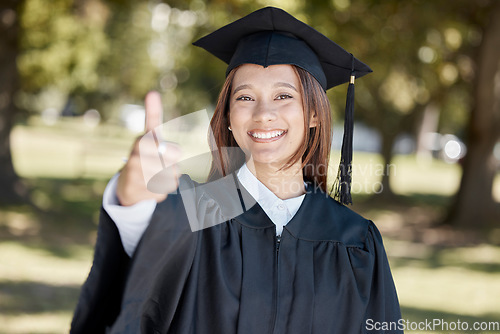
{"x": 314, "y": 152}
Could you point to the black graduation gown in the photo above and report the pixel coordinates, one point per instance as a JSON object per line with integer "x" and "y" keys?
{"x": 328, "y": 273}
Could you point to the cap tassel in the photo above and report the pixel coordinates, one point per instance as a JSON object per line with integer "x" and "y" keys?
{"x": 343, "y": 182}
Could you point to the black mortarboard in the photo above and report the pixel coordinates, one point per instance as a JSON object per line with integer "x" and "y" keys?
{"x": 271, "y": 36}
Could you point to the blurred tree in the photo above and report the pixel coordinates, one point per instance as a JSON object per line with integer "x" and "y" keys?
{"x": 474, "y": 204}
{"x": 43, "y": 49}
{"x": 423, "y": 57}
{"x": 82, "y": 54}
{"x": 393, "y": 38}
{"x": 62, "y": 45}
{"x": 150, "y": 49}
{"x": 103, "y": 54}
{"x": 11, "y": 188}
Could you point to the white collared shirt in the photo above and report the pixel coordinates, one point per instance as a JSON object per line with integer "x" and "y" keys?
{"x": 278, "y": 210}
{"x": 133, "y": 220}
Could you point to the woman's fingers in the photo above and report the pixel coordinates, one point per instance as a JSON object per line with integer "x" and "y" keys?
{"x": 158, "y": 160}
{"x": 154, "y": 111}
{"x": 151, "y": 171}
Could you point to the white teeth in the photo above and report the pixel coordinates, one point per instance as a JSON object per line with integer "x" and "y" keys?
{"x": 267, "y": 135}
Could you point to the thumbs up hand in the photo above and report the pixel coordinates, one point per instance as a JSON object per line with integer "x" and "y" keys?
{"x": 151, "y": 171}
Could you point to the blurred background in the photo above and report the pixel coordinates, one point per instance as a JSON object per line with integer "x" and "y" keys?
{"x": 73, "y": 74}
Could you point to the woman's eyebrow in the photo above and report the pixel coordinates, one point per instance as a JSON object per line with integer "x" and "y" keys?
{"x": 278, "y": 84}
{"x": 285, "y": 84}
{"x": 241, "y": 87}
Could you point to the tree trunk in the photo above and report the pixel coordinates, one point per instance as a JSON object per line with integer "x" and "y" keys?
{"x": 388, "y": 139}
{"x": 11, "y": 188}
{"x": 428, "y": 124}
{"x": 474, "y": 204}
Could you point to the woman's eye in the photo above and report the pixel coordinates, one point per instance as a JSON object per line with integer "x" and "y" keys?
{"x": 283, "y": 96}
{"x": 244, "y": 98}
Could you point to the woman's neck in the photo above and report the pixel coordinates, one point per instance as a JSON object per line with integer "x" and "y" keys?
{"x": 285, "y": 183}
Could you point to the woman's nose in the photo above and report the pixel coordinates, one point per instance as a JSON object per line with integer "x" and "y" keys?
{"x": 264, "y": 112}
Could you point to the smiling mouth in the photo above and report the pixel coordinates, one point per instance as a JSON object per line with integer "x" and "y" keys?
{"x": 266, "y": 136}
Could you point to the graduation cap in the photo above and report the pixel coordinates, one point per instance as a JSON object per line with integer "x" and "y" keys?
{"x": 271, "y": 36}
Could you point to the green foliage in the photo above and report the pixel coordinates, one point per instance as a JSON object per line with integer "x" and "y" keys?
{"x": 105, "y": 53}
{"x": 421, "y": 52}
{"x": 59, "y": 47}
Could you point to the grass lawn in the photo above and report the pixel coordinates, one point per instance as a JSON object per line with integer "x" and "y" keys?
{"x": 46, "y": 253}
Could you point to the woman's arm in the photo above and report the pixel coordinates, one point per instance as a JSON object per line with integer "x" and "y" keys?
{"x": 101, "y": 295}
{"x": 128, "y": 198}
{"x": 131, "y": 221}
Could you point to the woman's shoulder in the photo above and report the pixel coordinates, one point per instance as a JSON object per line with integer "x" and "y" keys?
{"x": 322, "y": 218}
{"x": 210, "y": 203}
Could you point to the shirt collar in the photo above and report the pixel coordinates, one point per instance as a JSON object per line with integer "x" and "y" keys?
{"x": 265, "y": 197}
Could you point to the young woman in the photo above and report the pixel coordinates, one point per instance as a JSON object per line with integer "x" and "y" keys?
{"x": 261, "y": 247}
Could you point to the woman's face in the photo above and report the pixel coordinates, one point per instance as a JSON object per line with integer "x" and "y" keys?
{"x": 266, "y": 113}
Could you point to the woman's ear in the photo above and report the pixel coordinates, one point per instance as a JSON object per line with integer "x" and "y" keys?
{"x": 313, "y": 121}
